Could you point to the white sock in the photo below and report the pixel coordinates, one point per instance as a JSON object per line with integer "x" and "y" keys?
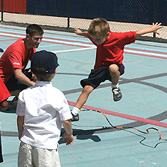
{"x": 115, "y": 86}
{"x": 75, "y": 111}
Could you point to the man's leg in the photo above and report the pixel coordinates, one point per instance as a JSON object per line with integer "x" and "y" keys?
{"x": 4, "y": 94}
{"x": 15, "y": 86}
{"x": 3, "y": 104}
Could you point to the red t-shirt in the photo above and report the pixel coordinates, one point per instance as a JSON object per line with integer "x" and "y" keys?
{"x": 15, "y": 56}
{"x": 111, "y": 51}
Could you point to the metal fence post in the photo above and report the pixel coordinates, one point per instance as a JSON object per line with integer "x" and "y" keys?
{"x": 1, "y": 10}
{"x": 155, "y": 15}
{"x": 68, "y": 13}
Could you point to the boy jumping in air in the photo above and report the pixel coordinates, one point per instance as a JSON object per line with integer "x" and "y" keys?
{"x": 109, "y": 57}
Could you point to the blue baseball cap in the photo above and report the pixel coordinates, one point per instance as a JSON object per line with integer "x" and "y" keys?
{"x": 43, "y": 62}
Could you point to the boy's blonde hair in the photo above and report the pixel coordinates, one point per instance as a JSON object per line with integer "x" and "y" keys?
{"x": 98, "y": 27}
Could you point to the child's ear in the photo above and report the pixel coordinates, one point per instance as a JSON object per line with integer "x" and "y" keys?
{"x": 27, "y": 36}
{"x": 108, "y": 33}
{"x": 34, "y": 78}
{"x": 55, "y": 69}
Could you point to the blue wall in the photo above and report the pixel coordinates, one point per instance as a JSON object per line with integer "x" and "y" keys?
{"x": 162, "y": 11}
{"x": 136, "y": 11}
{"x": 47, "y": 7}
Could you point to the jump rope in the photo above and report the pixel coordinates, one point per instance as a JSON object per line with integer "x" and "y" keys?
{"x": 126, "y": 127}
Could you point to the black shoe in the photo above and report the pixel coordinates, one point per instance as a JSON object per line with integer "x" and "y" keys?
{"x": 14, "y": 101}
{"x": 117, "y": 95}
{"x": 4, "y": 109}
{"x": 75, "y": 117}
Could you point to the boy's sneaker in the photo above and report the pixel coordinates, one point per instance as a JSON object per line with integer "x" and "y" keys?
{"x": 75, "y": 117}
{"x": 117, "y": 95}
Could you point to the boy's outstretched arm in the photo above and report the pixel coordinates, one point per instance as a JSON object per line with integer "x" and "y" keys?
{"x": 153, "y": 28}
{"x": 68, "y": 135}
{"x": 79, "y": 32}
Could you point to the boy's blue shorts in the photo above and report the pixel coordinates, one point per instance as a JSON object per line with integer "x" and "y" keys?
{"x": 99, "y": 75}
{"x": 13, "y": 84}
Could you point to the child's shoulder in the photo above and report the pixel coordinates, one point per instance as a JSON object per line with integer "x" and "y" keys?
{"x": 121, "y": 35}
{"x": 57, "y": 91}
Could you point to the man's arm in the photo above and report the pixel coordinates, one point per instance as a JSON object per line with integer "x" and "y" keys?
{"x": 68, "y": 135}
{"x": 22, "y": 77}
{"x": 79, "y": 32}
{"x": 20, "y": 123}
{"x": 153, "y": 28}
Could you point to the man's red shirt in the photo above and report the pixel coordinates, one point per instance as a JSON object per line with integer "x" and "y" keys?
{"x": 15, "y": 56}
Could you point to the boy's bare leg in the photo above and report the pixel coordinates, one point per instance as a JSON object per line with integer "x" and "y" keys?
{"x": 81, "y": 101}
{"x": 115, "y": 74}
{"x": 84, "y": 96}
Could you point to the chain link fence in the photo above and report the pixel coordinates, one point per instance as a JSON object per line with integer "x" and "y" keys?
{"x": 122, "y": 15}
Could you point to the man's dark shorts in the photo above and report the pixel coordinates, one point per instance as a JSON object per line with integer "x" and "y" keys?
{"x": 13, "y": 84}
{"x": 99, "y": 75}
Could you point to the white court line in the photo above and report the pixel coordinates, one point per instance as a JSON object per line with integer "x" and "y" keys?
{"x": 49, "y": 40}
{"x": 126, "y": 50}
{"x": 12, "y": 35}
{"x": 72, "y": 50}
{"x": 68, "y": 42}
{"x": 145, "y": 53}
{"x": 91, "y": 46}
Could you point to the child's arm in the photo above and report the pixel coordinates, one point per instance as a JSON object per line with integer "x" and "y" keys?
{"x": 79, "y": 32}
{"x": 154, "y": 28}
{"x": 68, "y": 135}
{"x": 20, "y": 123}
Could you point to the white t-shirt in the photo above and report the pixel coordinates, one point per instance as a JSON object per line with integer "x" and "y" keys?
{"x": 44, "y": 108}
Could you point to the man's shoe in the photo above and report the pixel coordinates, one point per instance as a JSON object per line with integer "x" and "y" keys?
{"x": 14, "y": 101}
{"x": 4, "y": 109}
{"x": 75, "y": 117}
{"x": 117, "y": 95}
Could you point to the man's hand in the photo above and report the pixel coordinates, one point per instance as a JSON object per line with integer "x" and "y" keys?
{"x": 22, "y": 77}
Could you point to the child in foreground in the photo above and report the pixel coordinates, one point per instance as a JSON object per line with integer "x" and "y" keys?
{"x": 109, "y": 58}
{"x": 42, "y": 110}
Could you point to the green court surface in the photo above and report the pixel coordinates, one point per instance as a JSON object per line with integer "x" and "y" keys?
{"x": 144, "y": 88}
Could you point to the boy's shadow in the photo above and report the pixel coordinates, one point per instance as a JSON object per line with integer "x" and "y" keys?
{"x": 82, "y": 135}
